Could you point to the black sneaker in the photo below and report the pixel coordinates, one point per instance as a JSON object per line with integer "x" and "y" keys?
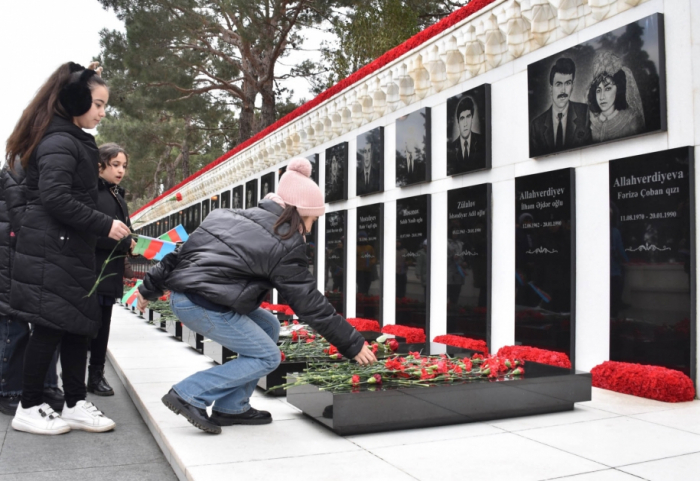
{"x": 196, "y": 417}
{"x": 53, "y": 396}
{"x": 251, "y": 416}
{"x": 8, "y": 405}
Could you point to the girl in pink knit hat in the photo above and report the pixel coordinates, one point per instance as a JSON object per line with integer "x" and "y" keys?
{"x": 218, "y": 279}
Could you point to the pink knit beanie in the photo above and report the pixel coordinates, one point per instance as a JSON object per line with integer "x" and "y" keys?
{"x": 298, "y": 189}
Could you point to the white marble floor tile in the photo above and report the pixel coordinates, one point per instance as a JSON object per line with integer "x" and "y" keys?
{"x": 498, "y": 457}
{"x": 424, "y": 435}
{"x": 617, "y": 441}
{"x": 606, "y": 475}
{"x": 183, "y": 359}
{"x": 287, "y": 439}
{"x": 171, "y": 375}
{"x": 625, "y": 404}
{"x": 680, "y": 468}
{"x": 358, "y": 465}
{"x": 685, "y": 417}
{"x": 578, "y": 415}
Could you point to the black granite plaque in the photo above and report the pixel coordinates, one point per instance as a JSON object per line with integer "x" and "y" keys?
{"x": 197, "y": 208}
{"x": 413, "y": 148}
{"x": 251, "y": 193}
{"x": 237, "y": 197}
{"x": 370, "y": 162}
{"x": 607, "y": 88}
{"x": 413, "y": 262}
{"x": 652, "y": 259}
{"x": 336, "y": 259}
{"x": 313, "y": 158}
{"x": 469, "y": 262}
{"x": 205, "y": 208}
{"x": 337, "y": 172}
{"x": 226, "y": 199}
{"x": 267, "y": 184}
{"x": 469, "y": 131}
{"x": 370, "y": 242}
{"x": 214, "y": 202}
{"x": 281, "y": 172}
{"x": 311, "y": 248}
{"x": 545, "y": 261}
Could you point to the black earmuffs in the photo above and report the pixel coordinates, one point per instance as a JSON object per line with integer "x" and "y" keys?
{"x": 75, "y": 96}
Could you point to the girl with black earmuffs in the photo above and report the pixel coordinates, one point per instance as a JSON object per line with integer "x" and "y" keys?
{"x": 54, "y": 267}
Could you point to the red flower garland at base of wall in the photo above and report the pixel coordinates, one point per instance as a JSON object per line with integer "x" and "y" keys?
{"x": 413, "y": 335}
{"x": 364, "y": 324}
{"x": 280, "y": 308}
{"x": 535, "y": 354}
{"x": 464, "y": 342}
{"x": 651, "y": 382}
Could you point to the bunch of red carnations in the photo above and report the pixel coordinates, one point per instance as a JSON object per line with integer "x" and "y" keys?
{"x": 535, "y": 354}
{"x": 413, "y": 335}
{"x": 463, "y": 342}
{"x": 364, "y": 324}
{"x": 413, "y": 369}
{"x": 652, "y": 382}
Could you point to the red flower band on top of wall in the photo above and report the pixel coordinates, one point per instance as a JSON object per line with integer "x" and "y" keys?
{"x": 463, "y": 342}
{"x": 413, "y": 335}
{"x": 651, "y": 382}
{"x": 536, "y": 354}
{"x": 364, "y": 324}
{"x": 413, "y": 42}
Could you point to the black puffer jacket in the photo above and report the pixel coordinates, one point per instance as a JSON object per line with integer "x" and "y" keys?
{"x": 12, "y": 206}
{"x": 234, "y": 258}
{"x": 55, "y": 260}
{"x": 110, "y": 201}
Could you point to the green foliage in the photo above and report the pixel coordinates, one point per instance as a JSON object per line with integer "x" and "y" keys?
{"x": 370, "y": 28}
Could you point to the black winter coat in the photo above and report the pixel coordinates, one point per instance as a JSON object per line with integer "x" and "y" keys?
{"x": 110, "y": 201}
{"x": 55, "y": 260}
{"x": 12, "y": 205}
{"x": 234, "y": 258}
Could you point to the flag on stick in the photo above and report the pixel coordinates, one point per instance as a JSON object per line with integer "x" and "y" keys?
{"x": 178, "y": 234}
{"x": 130, "y": 298}
{"x": 153, "y": 249}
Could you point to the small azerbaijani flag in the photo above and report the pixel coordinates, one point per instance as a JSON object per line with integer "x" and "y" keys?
{"x": 130, "y": 298}
{"x": 153, "y": 249}
{"x": 178, "y": 234}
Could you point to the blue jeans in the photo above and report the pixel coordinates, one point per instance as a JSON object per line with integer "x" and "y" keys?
{"x": 14, "y": 336}
{"x": 253, "y": 337}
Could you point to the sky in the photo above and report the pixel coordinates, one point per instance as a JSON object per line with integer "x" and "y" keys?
{"x": 36, "y": 36}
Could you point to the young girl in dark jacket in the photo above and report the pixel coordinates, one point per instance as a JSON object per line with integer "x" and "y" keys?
{"x": 55, "y": 259}
{"x": 218, "y": 280}
{"x": 110, "y": 200}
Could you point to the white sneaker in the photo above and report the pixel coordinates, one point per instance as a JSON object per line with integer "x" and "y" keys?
{"x": 86, "y": 417}
{"x": 39, "y": 419}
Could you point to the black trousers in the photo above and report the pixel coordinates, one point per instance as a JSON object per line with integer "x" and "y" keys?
{"x": 98, "y": 346}
{"x": 37, "y": 358}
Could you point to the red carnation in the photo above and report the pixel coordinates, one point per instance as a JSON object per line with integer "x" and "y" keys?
{"x": 282, "y": 356}
{"x": 355, "y": 379}
{"x": 393, "y": 344}
{"x": 295, "y": 336}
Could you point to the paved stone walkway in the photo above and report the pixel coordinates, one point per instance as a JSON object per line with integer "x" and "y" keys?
{"x": 129, "y": 453}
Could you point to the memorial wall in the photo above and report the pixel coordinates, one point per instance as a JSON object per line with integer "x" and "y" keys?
{"x": 555, "y": 176}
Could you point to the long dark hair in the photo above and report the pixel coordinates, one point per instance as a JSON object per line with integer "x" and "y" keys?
{"x": 36, "y": 118}
{"x": 290, "y": 216}
{"x": 619, "y": 80}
